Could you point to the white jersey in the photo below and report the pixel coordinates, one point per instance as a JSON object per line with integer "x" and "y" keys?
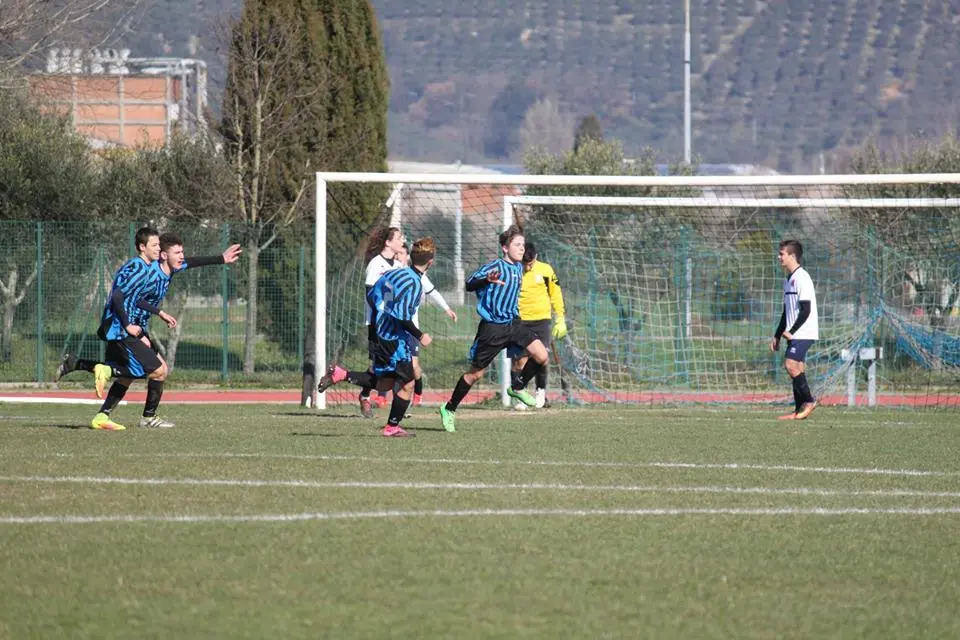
{"x": 429, "y": 290}
{"x": 377, "y": 266}
{"x": 799, "y": 286}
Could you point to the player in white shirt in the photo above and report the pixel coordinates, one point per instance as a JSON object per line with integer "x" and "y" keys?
{"x": 799, "y": 324}
{"x": 381, "y": 256}
{"x": 429, "y": 291}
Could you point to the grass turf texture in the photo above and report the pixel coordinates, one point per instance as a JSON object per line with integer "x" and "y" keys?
{"x": 312, "y": 549}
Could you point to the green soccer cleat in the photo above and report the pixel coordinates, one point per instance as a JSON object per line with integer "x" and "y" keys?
{"x": 102, "y": 422}
{"x": 448, "y": 419}
{"x": 101, "y": 376}
{"x": 523, "y": 396}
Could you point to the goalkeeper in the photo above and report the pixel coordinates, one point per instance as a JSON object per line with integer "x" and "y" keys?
{"x": 539, "y": 293}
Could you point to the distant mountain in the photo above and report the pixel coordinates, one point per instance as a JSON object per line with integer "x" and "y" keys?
{"x": 774, "y": 82}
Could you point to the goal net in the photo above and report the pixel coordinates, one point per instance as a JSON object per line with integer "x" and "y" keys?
{"x": 671, "y": 285}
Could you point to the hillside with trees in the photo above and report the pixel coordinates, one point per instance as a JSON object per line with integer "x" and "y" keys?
{"x": 774, "y": 82}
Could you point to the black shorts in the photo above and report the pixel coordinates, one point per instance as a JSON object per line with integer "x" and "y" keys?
{"x": 541, "y": 330}
{"x": 414, "y": 345}
{"x": 492, "y": 338}
{"x": 392, "y": 358}
{"x": 132, "y": 354}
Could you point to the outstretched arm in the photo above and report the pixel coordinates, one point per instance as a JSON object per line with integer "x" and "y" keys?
{"x": 230, "y": 256}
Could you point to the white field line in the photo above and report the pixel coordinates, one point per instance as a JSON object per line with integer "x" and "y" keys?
{"x": 732, "y": 466}
{"x": 443, "y": 513}
{"x": 482, "y": 486}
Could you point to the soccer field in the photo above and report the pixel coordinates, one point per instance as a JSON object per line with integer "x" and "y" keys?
{"x": 265, "y": 521}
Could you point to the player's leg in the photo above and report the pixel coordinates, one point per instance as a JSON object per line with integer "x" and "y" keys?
{"x": 366, "y": 407}
{"x": 795, "y": 364}
{"x": 414, "y": 346}
{"x": 336, "y": 374}
{"x": 523, "y": 337}
{"x": 394, "y": 369}
{"x": 516, "y": 366}
{"x": 491, "y": 338}
{"x": 102, "y": 420}
{"x": 542, "y": 331}
{"x": 119, "y": 359}
{"x": 156, "y": 370}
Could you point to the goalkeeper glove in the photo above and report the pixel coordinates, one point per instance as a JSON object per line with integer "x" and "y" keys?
{"x": 559, "y": 328}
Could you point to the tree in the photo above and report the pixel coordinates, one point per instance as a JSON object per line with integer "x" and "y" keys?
{"x": 506, "y": 113}
{"x": 588, "y": 129}
{"x": 545, "y": 126}
{"x": 306, "y": 91}
{"x": 45, "y": 174}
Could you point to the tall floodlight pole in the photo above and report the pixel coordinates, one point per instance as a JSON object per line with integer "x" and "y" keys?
{"x": 686, "y": 83}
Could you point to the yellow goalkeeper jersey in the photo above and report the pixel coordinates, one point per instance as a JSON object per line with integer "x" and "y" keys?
{"x": 540, "y": 290}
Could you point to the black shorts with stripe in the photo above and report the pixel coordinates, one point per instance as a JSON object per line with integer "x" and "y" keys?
{"x": 492, "y": 338}
{"x": 132, "y": 354}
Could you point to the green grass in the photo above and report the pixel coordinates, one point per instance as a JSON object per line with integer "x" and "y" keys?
{"x": 544, "y": 552}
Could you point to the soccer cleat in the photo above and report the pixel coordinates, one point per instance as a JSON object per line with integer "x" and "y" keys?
{"x": 103, "y": 422}
{"x": 154, "y": 422}
{"x": 519, "y": 406}
{"x": 417, "y": 400}
{"x": 391, "y": 431}
{"x": 541, "y": 397}
{"x": 806, "y": 410}
{"x": 335, "y": 373}
{"x": 101, "y": 376}
{"x": 366, "y": 409}
{"x": 523, "y": 396}
{"x": 787, "y": 416}
{"x": 68, "y": 364}
{"x": 448, "y": 419}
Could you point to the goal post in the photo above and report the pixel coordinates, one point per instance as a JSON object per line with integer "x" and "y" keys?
{"x": 672, "y": 284}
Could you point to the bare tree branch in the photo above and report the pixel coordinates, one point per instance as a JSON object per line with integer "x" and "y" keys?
{"x": 28, "y": 27}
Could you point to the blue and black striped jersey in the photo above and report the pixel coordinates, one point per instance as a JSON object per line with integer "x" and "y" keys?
{"x": 395, "y": 298}
{"x": 132, "y": 279}
{"x": 497, "y": 303}
{"x": 153, "y": 294}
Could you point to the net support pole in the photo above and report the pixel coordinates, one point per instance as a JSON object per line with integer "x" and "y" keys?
{"x": 504, "y": 361}
{"x": 458, "y": 274}
{"x": 851, "y": 377}
{"x": 320, "y": 291}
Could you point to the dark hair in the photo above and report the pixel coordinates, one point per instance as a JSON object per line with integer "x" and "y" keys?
{"x": 378, "y": 240}
{"x": 424, "y": 250}
{"x": 794, "y": 247}
{"x": 143, "y": 236}
{"x": 512, "y": 232}
{"x": 168, "y": 240}
{"x": 529, "y": 253}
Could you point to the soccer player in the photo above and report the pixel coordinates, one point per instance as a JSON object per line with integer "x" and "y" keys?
{"x": 539, "y": 292}
{"x": 429, "y": 290}
{"x": 800, "y": 315}
{"x": 497, "y": 286}
{"x": 380, "y": 256}
{"x": 146, "y": 301}
{"x": 129, "y": 354}
{"x": 395, "y": 298}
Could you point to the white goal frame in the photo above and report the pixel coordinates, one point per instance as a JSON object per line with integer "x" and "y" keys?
{"x": 325, "y": 178}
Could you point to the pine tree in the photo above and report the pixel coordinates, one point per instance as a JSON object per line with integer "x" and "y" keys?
{"x": 307, "y": 90}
